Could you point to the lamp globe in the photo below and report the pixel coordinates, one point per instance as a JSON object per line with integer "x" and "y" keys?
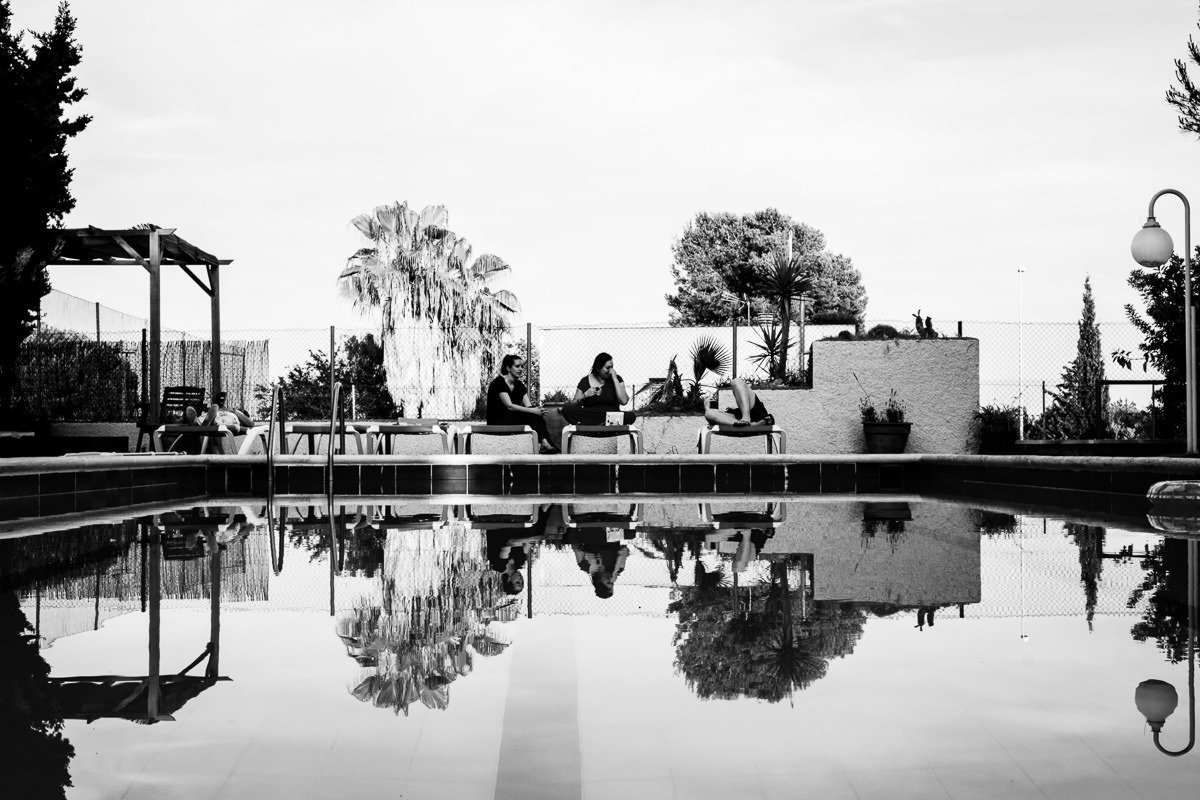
{"x": 1152, "y": 246}
{"x": 1156, "y": 700}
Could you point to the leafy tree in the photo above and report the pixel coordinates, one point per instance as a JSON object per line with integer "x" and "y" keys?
{"x": 1162, "y": 330}
{"x": 1090, "y": 541}
{"x": 441, "y": 316}
{"x": 726, "y": 252}
{"x": 1080, "y": 409}
{"x": 1186, "y": 97}
{"x": 360, "y": 363}
{"x": 1165, "y": 588}
{"x": 67, "y": 377}
{"x": 36, "y": 86}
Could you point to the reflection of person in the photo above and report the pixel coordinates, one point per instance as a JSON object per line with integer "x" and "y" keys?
{"x": 599, "y": 393}
{"x": 603, "y": 563}
{"x": 925, "y": 616}
{"x": 508, "y": 558}
{"x": 749, "y": 410}
{"x": 508, "y": 401}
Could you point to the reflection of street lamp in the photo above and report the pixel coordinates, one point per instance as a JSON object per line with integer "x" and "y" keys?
{"x": 1152, "y": 247}
{"x": 1157, "y": 699}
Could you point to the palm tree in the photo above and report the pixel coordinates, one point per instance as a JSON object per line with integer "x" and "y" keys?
{"x": 785, "y": 278}
{"x": 441, "y": 319}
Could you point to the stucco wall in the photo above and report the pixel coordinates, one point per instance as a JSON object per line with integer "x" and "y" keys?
{"x": 936, "y": 379}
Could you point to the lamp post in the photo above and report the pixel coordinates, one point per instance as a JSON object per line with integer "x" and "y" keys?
{"x": 1157, "y": 699}
{"x": 1020, "y": 360}
{"x": 1152, "y": 247}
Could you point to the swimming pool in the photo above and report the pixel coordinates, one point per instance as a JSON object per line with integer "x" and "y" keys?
{"x": 873, "y": 645}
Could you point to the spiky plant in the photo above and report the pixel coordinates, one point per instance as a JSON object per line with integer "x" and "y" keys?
{"x": 439, "y": 313}
{"x": 784, "y": 279}
{"x": 708, "y": 355}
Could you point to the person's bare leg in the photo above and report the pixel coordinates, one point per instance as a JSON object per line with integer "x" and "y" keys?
{"x": 244, "y": 419}
{"x": 743, "y": 395}
{"x": 715, "y": 416}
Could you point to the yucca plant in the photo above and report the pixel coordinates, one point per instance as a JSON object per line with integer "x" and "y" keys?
{"x": 769, "y": 345}
{"x": 784, "y": 279}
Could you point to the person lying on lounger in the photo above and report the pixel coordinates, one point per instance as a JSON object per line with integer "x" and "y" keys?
{"x": 237, "y": 421}
{"x": 749, "y": 410}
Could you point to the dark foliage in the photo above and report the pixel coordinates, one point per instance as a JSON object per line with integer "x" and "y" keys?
{"x": 360, "y": 364}
{"x": 1166, "y": 617}
{"x": 36, "y": 86}
{"x": 36, "y": 755}
{"x": 726, "y": 252}
{"x": 1162, "y": 331}
{"x": 66, "y": 377}
{"x": 997, "y": 428}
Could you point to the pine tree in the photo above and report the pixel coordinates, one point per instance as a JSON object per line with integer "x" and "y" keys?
{"x": 36, "y": 86}
{"x": 1080, "y": 409}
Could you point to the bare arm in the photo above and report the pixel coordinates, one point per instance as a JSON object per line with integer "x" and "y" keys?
{"x": 506, "y": 399}
{"x": 619, "y": 385}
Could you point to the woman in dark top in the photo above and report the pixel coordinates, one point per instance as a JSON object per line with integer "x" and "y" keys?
{"x": 599, "y": 393}
{"x": 508, "y": 402}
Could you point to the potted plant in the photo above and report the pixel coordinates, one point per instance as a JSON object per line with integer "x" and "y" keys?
{"x": 885, "y": 431}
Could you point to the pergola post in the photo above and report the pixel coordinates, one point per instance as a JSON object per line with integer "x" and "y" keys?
{"x": 155, "y": 325}
{"x": 214, "y": 283}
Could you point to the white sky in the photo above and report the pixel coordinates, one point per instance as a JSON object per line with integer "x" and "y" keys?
{"x": 939, "y": 144}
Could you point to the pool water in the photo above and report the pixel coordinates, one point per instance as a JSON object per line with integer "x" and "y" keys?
{"x": 829, "y": 649}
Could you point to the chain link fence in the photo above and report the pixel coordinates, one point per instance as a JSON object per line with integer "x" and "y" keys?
{"x": 1019, "y": 362}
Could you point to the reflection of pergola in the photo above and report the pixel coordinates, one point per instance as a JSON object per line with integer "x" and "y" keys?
{"x": 150, "y": 247}
{"x": 153, "y": 697}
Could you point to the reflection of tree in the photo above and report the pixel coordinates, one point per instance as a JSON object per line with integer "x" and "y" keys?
{"x": 1090, "y": 541}
{"x": 434, "y": 612}
{"x": 1165, "y": 587}
{"x": 36, "y": 755}
{"x": 766, "y": 652}
{"x": 993, "y": 523}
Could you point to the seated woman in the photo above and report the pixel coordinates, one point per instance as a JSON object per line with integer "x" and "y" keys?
{"x": 749, "y": 411}
{"x": 604, "y": 563}
{"x": 599, "y": 393}
{"x": 508, "y": 402}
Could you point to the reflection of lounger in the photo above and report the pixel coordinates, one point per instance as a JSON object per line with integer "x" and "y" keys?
{"x": 774, "y": 515}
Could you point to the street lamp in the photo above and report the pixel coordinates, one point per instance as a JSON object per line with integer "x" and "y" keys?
{"x": 1152, "y": 247}
{"x": 1157, "y": 699}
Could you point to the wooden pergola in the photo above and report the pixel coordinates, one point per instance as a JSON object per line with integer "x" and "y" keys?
{"x": 150, "y": 247}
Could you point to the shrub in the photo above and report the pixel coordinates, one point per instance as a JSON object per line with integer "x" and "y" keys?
{"x": 997, "y": 428}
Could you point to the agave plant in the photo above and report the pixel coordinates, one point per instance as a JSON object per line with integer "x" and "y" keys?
{"x": 440, "y": 314}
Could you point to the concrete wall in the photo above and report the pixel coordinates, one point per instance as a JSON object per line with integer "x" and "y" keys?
{"x": 936, "y": 379}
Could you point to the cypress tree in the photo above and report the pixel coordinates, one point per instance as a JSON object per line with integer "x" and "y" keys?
{"x": 36, "y": 86}
{"x": 1080, "y": 409}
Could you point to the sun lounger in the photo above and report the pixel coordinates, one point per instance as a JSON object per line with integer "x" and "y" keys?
{"x": 210, "y": 432}
{"x": 379, "y": 437}
{"x": 774, "y": 445}
{"x": 466, "y": 432}
{"x": 602, "y": 432}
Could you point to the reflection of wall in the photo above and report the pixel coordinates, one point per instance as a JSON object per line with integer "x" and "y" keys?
{"x": 934, "y": 561}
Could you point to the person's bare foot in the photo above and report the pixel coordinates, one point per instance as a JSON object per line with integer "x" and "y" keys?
{"x": 741, "y": 423}
{"x": 189, "y": 416}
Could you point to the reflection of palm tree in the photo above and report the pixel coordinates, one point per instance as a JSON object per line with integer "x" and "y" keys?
{"x": 440, "y": 314}
{"x": 434, "y": 613}
{"x": 37, "y": 756}
{"x": 1090, "y": 541}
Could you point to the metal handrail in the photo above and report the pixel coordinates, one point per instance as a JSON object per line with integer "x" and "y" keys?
{"x": 275, "y": 414}
{"x": 336, "y": 413}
